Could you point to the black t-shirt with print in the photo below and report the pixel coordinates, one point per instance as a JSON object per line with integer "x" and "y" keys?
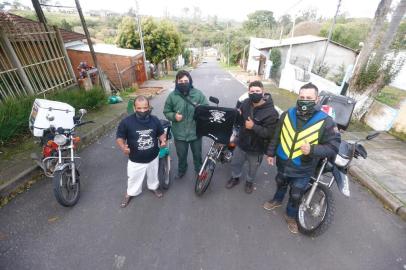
{"x": 141, "y": 136}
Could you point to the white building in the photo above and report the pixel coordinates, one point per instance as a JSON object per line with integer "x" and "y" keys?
{"x": 306, "y": 51}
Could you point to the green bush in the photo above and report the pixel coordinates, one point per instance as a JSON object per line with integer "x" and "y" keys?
{"x": 14, "y": 113}
{"x": 81, "y": 99}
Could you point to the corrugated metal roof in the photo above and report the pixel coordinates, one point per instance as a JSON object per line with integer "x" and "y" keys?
{"x": 272, "y": 43}
{"x": 107, "y": 49}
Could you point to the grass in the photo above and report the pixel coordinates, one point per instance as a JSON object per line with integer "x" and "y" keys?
{"x": 399, "y": 135}
{"x": 14, "y": 113}
{"x": 231, "y": 67}
{"x": 391, "y": 96}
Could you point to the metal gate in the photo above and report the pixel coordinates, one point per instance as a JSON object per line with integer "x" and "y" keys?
{"x": 33, "y": 59}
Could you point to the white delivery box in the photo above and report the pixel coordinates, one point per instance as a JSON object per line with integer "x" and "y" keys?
{"x": 46, "y": 113}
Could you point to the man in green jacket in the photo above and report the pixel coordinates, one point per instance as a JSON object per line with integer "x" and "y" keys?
{"x": 179, "y": 109}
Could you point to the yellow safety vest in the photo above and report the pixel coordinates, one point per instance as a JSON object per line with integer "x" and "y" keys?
{"x": 291, "y": 140}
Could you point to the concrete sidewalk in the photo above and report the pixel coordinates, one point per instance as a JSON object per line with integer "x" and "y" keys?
{"x": 17, "y": 169}
{"x": 384, "y": 170}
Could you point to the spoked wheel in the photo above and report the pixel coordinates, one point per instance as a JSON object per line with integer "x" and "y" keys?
{"x": 315, "y": 219}
{"x": 66, "y": 193}
{"x": 203, "y": 179}
{"x": 164, "y": 172}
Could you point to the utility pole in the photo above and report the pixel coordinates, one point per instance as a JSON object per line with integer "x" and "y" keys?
{"x": 138, "y": 18}
{"x": 39, "y": 12}
{"x": 290, "y": 46}
{"x": 330, "y": 33}
{"x": 89, "y": 42}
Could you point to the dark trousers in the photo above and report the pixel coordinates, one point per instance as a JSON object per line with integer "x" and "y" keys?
{"x": 297, "y": 188}
{"x": 182, "y": 148}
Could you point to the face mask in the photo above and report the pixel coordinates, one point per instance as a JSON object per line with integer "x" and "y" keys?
{"x": 143, "y": 115}
{"x": 184, "y": 88}
{"x": 306, "y": 106}
{"x": 255, "y": 97}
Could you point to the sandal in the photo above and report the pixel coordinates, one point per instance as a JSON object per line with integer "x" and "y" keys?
{"x": 125, "y": 201}
{"x": 157, "y": 193}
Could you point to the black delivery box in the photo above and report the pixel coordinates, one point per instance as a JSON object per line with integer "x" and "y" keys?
{"x": 343, "y": 107}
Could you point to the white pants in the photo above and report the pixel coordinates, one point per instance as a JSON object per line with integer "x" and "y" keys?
{"x": 136, "y": 174}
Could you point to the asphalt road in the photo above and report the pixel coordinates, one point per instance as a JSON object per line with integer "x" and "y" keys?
{"x": 224, "y": 229}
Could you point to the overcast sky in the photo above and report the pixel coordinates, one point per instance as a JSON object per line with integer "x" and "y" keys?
{"x": 231, "y": 9}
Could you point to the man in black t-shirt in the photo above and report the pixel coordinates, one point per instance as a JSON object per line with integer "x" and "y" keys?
{"x": 137, "y": 136}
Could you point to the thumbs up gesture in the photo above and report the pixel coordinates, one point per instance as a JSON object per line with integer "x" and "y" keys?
{"x": 249, "y": 124}
{"x": 305, "y": 148}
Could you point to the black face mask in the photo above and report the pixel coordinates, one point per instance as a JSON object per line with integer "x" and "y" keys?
{"x": 143, "y": 115}
{"x": 256, "y": 97}
{"x": 306, "y": 107}
{"x": 184, "y": 88}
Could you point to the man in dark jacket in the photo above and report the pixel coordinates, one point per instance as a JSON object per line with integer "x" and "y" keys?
{"x": 257, "y": 121}
{"x": 179, "y": 109}
{"x": 304, "y": 136}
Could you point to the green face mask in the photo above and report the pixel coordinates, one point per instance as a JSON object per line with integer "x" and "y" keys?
{"x": 306, "y": 106}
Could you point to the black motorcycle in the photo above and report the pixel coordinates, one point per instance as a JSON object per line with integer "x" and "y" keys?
{"x": 316, "y": 211}
{"x": 216, "y": 123}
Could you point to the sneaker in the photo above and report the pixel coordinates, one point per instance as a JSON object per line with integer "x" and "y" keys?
{"x": 270, "y": 205}
{"x": 232, "y": 182}
{"x": 249, "y": 187}
{"x": 292, "y": 224}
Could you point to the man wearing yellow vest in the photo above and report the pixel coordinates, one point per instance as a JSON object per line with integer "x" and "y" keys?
{"x": 303, "y": 136}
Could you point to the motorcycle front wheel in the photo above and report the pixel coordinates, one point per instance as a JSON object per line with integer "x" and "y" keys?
{"x": 203, "y": 179}
{"x": 66, "y": 193}
{"x": 315, "y": 219}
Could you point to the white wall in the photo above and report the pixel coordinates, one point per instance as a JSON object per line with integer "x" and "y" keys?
{"x": 400, "y": 80}
{"x": 381, "y": 117}
{"x": 291, "y": 80}
{"x": 302, "y": 55}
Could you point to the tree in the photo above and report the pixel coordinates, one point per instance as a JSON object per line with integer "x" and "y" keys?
{"x": 275, "y": 57}
{"x": 347, "y": 32}
{"x": 162, "y": 41}
{"x": 65, "y": 25}
{"x": 375, "y": 68}
{"x": 3, "y": 5}
{"x": 260, "y": 23}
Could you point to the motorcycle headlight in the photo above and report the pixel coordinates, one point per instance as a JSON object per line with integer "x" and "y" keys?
{"x": 340, "y": 161}
{"x": 60, "y": 139}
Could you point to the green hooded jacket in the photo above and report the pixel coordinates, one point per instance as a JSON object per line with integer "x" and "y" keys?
{"x": 184, "y": 130}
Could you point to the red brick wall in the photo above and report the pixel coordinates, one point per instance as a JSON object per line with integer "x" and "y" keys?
{"x": 107, "y": 63}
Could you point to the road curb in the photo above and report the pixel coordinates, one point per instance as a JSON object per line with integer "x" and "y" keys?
{"x": 32, "y": 171}
{"x": 383, "y": 195}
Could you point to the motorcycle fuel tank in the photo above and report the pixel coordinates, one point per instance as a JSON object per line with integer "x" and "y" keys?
{"x": 46, "y": 113}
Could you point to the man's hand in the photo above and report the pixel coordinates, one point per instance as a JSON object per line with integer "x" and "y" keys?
{"x": 178, "y": 117}
{"x": 305, "y": 148}
{"x": 126, "y": 150}
{"x": 270, "y": 160}
{"x": 162, "y": 139}
{"x": 123, "y": 146}
{"x": 249, "y": 124}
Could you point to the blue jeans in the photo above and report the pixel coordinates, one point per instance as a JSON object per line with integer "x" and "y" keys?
{"x": 297, "y": 187}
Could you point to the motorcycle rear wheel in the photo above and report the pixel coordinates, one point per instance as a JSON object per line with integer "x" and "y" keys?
{"x": 66, "y": 193}
{"x": 203, "y": 180}
{"x": 316, "y": 219}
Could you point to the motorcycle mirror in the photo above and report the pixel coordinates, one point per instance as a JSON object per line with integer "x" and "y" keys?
{"x": 82, "y": 112}
{"x": 214, "y": 100}
{"x": 372, "y": 136}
